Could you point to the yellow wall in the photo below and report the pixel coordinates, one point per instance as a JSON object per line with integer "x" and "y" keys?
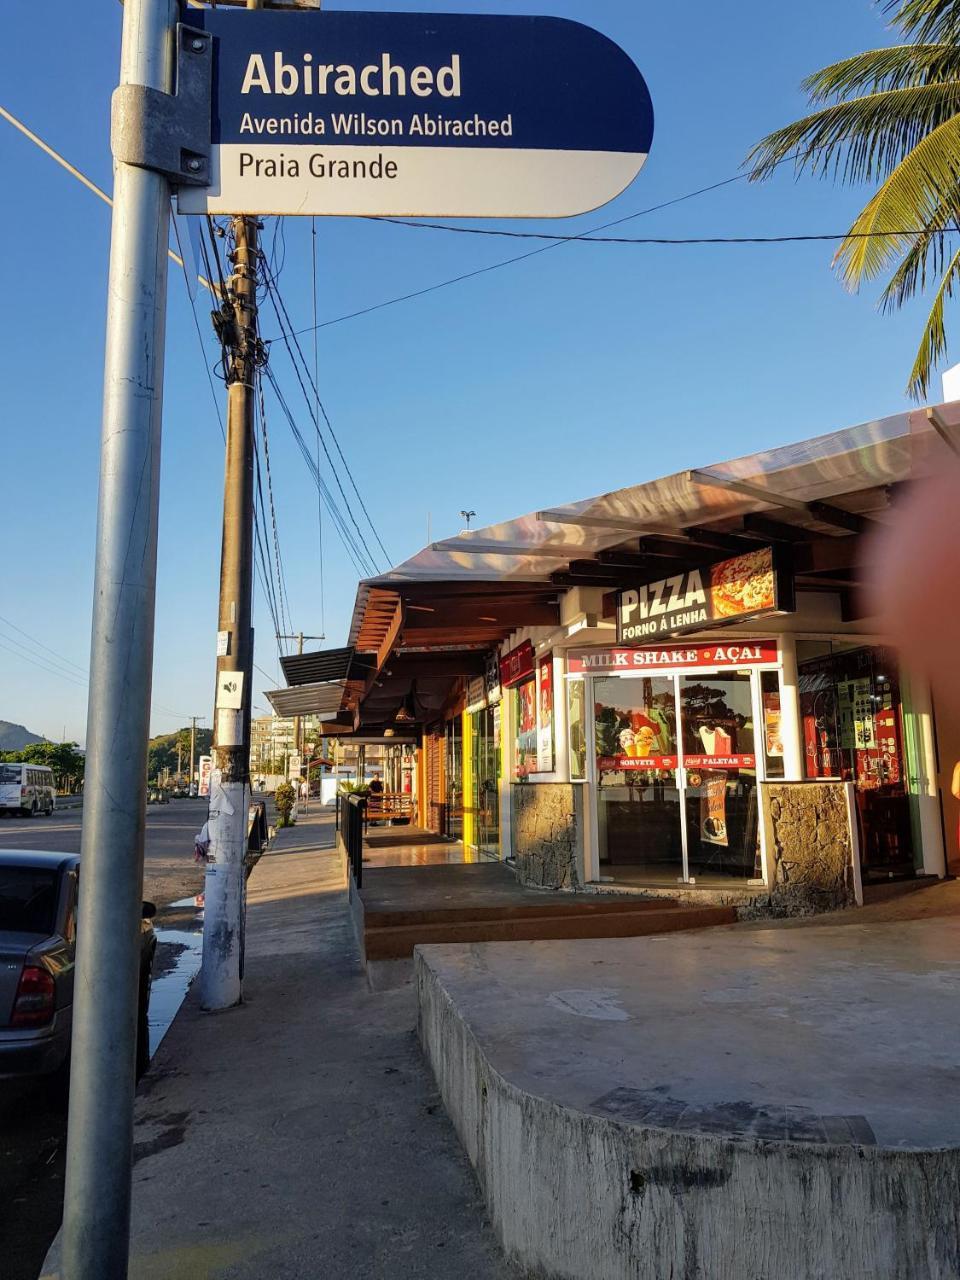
{"x": 469, "y": 819}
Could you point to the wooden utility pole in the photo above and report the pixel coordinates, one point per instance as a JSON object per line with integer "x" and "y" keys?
{"x": 230, "y": 781}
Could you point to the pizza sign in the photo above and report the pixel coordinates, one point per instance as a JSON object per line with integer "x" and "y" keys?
{"x": 746, "y": 585}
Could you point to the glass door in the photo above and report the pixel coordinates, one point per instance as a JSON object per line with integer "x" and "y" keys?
{"x": 640, "y": 815}
{"x": 719, "y": 776}
{"x": 486, "y": 772}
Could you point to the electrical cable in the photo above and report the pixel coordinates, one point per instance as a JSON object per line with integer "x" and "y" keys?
{"x": 286, "y": 328}
{"x": 363, "y": 566}
{"x": 316, "y": 383}
{"x": 281, "y": 579}
{"x": 316, "y": 423}
{"x": 589, "y": 238}
{"x": 196, "y": 325}
{"x": 33, "y": 640}
{"x": 532, "y": 253}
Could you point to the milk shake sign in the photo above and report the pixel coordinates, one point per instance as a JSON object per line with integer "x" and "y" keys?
{"x": 425, "y": 114}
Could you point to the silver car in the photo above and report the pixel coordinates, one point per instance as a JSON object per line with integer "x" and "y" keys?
{"x": 38, "y": 929}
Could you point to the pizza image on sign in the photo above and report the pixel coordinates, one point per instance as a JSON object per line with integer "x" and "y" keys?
{"x": 744, "y": 584}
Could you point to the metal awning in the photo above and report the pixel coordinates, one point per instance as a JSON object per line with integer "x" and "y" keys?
{"x": 821, "y": 486}
{"x": 325, "y": 665}
{"x": 321, "y": 699}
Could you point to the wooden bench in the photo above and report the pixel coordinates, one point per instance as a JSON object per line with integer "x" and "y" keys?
{"x": 390, "y": 806}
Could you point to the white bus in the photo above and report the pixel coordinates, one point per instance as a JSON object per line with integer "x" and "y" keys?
{"x": 27, "y": 789}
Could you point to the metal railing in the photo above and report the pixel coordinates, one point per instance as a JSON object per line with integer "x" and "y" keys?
{"x": 353, "y": 821}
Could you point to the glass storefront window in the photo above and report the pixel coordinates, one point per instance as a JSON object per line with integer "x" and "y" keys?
{"x": 453, "y": 773}
{"x": 852, "y": 725}
{"x": 577, "y": 725}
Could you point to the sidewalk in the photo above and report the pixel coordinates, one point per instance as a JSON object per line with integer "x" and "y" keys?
{"x": 301, "y": 1135}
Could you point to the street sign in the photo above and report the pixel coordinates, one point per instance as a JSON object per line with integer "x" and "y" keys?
{"x": 441, "y": 115}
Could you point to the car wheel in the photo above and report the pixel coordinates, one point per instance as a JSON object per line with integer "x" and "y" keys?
{"x": 143, "y": 1024}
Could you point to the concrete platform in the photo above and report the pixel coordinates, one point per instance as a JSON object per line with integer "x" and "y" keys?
{"x": 399, "y": 908}
{"x": 733, "y": 1103}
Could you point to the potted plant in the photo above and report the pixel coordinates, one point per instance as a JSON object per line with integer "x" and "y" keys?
{"x": 284, "y": 798}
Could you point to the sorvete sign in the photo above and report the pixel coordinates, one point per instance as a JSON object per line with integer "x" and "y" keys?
{"x": 418, "y": 114}
{"x": 748, "y": 585}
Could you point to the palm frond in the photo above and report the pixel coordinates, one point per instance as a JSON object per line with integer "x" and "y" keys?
{"x": 925, "y": 19}
{"x": 898, "y": 67}
{"x": 859, "y": 140}
{"x": 923, "y": 261}
{"x": 933, "y": 343}
{"x": 913, "y": 197}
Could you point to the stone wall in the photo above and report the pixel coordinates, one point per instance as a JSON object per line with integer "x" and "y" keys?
{"x": 548, "y": 834}
{"x": 810, "y": 847}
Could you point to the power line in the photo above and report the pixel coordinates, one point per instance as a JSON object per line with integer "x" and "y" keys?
{"x": 533, "y": 253}
{"x": 33, "y": 640}
{"x": 589, "y": 238}
{"x": 316, "y": 383}
{"x": 288, "y": 336}
{"x": 364, "y": 566}
{"x": 277, "y": 305}
{"x": 196, "y": 324}
{"x": 281, "y": 580}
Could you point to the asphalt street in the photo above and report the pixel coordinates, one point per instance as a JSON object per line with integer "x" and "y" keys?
{"x": 169, "y": 870}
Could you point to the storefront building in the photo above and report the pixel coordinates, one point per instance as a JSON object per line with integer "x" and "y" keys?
{"x": 678, "y": 683}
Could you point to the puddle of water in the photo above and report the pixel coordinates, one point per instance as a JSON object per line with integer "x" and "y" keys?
{"x": 169, "y": 990}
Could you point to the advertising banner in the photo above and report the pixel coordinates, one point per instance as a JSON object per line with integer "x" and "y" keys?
{"x": 713, "y": 809}
{"x": 745, "y": 586}
{"x": 545, "y": 740}
{"x": 205, "y": 766}
{"x": 412, "y": 114}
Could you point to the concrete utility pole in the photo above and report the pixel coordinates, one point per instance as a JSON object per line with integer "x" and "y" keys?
{"x": 96, "y": 1224}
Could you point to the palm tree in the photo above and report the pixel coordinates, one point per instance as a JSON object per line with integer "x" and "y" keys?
{"x": 891, "y": 117}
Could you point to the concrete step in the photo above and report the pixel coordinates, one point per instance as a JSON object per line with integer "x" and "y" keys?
{"x": 553, "y": 907}
{"x": 393, "y": 943}
{"x": 887, "y": 889}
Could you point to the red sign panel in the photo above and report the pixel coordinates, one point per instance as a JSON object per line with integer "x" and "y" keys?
{"x": 720, "y": 762}
{"x": 517, "y": 665}
{"x": 624, "y": 763}
{"x": 611, "y": 662}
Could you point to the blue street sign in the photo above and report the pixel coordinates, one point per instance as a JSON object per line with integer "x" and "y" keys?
{"x": 436, "y": 115}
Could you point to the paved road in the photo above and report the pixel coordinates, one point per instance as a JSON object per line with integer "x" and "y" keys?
{"x": 169, "y": 869}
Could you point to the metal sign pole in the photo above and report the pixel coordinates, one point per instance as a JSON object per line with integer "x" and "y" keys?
{"x": 100, "y": 1138}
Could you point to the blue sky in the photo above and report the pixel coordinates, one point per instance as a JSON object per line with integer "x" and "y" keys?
{"x": 581, "y": 370}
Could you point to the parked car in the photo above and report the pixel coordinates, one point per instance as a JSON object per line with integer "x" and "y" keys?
{"x": 38, "y": 928}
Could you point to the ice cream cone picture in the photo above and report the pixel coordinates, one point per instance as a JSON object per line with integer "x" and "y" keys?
{"x": 644, "y": 741}
{"x": 628, "y": 742}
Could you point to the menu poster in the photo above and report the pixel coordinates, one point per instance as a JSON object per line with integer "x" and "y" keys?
{"x": 526, "y": 695}
{"x": 772, "y": 734}
{"x": 856, "y": 714}
{"x": 713, "y": 809}
{"x": 545, "y": 739}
